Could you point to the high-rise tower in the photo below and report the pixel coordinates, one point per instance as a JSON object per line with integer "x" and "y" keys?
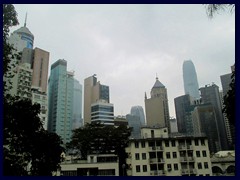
{"x": 210, "y": 94}
{"x": 94, "y": 92}
{"x": 61, "y": 100}
{"x": 138, "y": 111}
{"x": 157, "y": 113}
{"x": 190, "y": 79}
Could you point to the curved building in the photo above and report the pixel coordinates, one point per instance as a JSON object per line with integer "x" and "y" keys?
{"x": 190, "y": 79}
{"x": 138, "y": 111}
{"x": 22, "y": 38}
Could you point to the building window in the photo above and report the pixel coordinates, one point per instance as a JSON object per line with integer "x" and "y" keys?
{"x": 137, "y": 156}
{"x": 196, "y": 142}
{"x": 199, "y": 165}
{"x": 136, "y": 145}
{"x": 202, "y": 142}
{"x": 144, "y": 168}
{"x": 205, "y": 165}
{"x": 152, "y": 133}
{"x": 175, "y": 167}
{"x": 143, "y": 144}
{"x": 167, "y": 143}
{"x": 174, "y": 154}
{"x": 204, "y": 153}
{"x": 138, "y": 168}
{"x": 169, "y": 167}
{"x": 198, "y": 153}
{"x": 168, "y": 155}
{"x": 144, "y": 156}
{"x": 173, "y": 143}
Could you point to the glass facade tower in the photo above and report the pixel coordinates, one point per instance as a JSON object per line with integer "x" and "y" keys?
{"x": 190, "y": 81}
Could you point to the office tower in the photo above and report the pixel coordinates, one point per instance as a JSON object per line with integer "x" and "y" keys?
{"x": 210, "y": 94}
{"x": 22, "y": 38}
{"x": 157, "y": 113}
{"x": 205, "y": 114}
{"x": 77, "y": 105}
{"x": 93, "y": 92}
{"x": 102, "y": 112}
{"x": 40, "y": 69}
{"x": 183, "y": 108}
{"x": 190, "y": 79}
{"x": 120, "y": 120}
{"x": 60, "y": 100}
{"x": 138, "y": 111}
{"x": 135, "y": 123}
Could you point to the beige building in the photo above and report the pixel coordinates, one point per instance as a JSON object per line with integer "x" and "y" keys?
{"x": 95, "y": 165}
{"x": 158, "y": 154}
{"x": 93, "y": 92}
{"x": 40, "y": 69}
{"x": 156, "y": 107}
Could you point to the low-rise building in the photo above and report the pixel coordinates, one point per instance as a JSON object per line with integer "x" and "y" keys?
{"x": 223, "y": 163}
{"x": 95, "y": 165}
{"x": 158, "y": 153}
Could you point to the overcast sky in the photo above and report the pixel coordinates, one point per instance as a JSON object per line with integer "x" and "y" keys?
{"x": 127, "y": 45}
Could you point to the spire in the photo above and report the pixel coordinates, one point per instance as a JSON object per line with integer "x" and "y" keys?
{"x": 156, "y": 76}
{"x": 25, "y": 23}
{"x": 145, "y": 95}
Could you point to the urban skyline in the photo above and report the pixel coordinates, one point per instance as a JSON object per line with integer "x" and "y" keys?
{"x": 123, "y": 60}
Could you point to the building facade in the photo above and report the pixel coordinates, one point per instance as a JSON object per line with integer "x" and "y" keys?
{"x": 77, "y": 105}
{"x": 190, "y": 80}
{"x": 157, "y": 154}
{"x": 93, "y": 92}
{"x": 210, "y": 94}
{"x": 102, "y": 112}
{"x": 135, "y": 123}
{"x": 138, "y": 111}
{"x": 157, "y": 112}
{"x": 60, "y": 101}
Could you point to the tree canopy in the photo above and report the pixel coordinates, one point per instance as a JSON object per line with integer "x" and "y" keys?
{"x": 213, "y": 9}
{"x": 97, "y": 138}
{"x": 28, "y": 149}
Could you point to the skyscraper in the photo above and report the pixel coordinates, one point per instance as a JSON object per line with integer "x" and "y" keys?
{"x": 184, "y": 108}
{"x": 157, "y": 113}
{"x": 190, "y": 79}
{"x": 135, "y": 123}
{"x": 210, "y": 94}
{"x": 60, "y": 101}
{"x": 93, "y": 92}
{"x": 77, "y": 105}
{"x": 138, "y": 111}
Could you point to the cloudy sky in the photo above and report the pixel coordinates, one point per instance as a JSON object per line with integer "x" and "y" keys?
{"x": 127, "y": 45}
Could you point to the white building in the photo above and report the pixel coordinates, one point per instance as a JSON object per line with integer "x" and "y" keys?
{"x": 95, "y": 165}
{"x": 160, "y": 154}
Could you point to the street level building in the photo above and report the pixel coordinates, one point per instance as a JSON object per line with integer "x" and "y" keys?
{"x": 159, "y": 154}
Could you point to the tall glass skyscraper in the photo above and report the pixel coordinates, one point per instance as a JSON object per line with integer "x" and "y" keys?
{"x": 61, "y": 100}
{"x": 190, "y": 81}
{"x": 138, "y": 111}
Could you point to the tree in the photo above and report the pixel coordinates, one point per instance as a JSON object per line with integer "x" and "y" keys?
{"x": 212, "y": 9}
{"x": 97, "y": 138}
{"x": 25, "y": 142}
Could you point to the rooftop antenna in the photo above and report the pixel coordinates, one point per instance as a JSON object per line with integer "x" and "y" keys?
{"x": 25, "y": 23}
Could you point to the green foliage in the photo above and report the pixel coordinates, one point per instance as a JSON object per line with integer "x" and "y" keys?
{"x": 97, "y": 138}
{"x": 212, "y": 9}
{"x": 229, "y": 102}
{"x": 25, "y": 142}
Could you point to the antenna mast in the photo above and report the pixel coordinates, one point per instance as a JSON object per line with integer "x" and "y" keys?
{"x": 25, "y": 23}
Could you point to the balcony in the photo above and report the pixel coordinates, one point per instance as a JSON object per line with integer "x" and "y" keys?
{"x": 158, "y": 173}
{"x": 184, "y": 171}
{"x": 156, "y": 160}
{"x": 156, "y": 148}
{"x": 187, "y": 159}
{"x": 185, "y": 147}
